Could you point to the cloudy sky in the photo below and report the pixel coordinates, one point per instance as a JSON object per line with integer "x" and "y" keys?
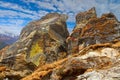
{"x": 15, "y": 14}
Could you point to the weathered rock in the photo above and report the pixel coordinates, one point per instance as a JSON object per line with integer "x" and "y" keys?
{"x": 83, "y": 18}
{"x": 112, "y": 73}
{"x": 89, "y": 64}
{"x": 15, "y": 68}
{"x": 96, "y": 51}
{"x": 42, "y": 40}
{"x": 100, "y": 30}
{"x": 2, "y": 51}
{"x": 92, "y": 30}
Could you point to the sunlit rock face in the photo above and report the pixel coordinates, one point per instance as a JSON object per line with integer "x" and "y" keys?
{"x": 40, "y": 42}
{"x": 91, "y": 30}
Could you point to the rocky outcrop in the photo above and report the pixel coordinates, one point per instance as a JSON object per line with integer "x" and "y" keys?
{"x": 40, "y": 42}
{"x": 100, "y": 30}
{"x": 99, "y": 62}
{"x": 83, "y": 18}
{"x": 44, "y": 39}
{"x": 91, "y": 30}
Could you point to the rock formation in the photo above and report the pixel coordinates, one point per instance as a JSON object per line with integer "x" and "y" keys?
{"x": 44, "y": 38}
{"x": 40, "y": 42}
{"x": 91, "y": 30}
{"x": 94, "y": 48}
{"x": 91, "y": 52}
{"x": 95, "y": 62}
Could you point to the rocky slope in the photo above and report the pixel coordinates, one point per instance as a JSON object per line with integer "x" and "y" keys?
{"x": 45, "y": 49}
{"x": 95, "y": 62}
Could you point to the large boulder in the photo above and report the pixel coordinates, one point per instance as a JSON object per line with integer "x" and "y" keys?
{"x": 40, "y": 42}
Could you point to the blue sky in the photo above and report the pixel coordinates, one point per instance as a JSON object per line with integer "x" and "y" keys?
{"x": 15, "y": 14}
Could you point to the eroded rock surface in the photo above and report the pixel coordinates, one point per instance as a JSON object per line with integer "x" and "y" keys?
{"x": 43, "y": 38}
{"x": 95, "y": 62}
{"x": 40, "y": 42}
{"x": 95, "y": 51}
{"x": 91, "y": 30}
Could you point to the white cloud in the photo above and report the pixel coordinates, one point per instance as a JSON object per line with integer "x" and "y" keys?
{"x": 42, "y": 13}
{"x": 15, "y": 7}
{"x": 69, "y": 7}
{"x": 11, "y": 29}
{"x": 14, "y": 14}
{"x": 12, "y": 25}
{"x": 42, "y": 4}
{"x": 46, "y": 5}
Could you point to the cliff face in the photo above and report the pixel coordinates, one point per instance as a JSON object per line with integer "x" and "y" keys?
{"x": 91, "y": 52}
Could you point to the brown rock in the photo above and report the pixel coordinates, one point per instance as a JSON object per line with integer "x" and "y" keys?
{"x": 2, "y": 51}
{"x": 93, "y": 30}
{"x": 2, "y": 68}
{"x": 83, "y": 18}
{"x": 83, "y": 65}
{"x": 100, "y": 30}
{"x": 40, "y": 42}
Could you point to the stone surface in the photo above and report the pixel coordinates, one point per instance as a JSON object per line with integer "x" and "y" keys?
{"x": 83, "y": 18}
{"x": 95, "y": 62}
{"x": 91, "y": 30}
{"x": 100, "y": 30}
{"x": 15, "y": 68}
{"x": 42, "y": 40}
{"x": 97, "y": 46}
{"x": 2, "y": 51}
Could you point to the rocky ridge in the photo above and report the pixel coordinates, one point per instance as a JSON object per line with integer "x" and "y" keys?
{"x": 91, "y": 52}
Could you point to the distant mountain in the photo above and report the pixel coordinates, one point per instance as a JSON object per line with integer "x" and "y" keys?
{"x": 6, "y": 38}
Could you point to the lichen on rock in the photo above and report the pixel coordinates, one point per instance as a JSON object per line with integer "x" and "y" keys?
{"x": 41, "y": 42}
